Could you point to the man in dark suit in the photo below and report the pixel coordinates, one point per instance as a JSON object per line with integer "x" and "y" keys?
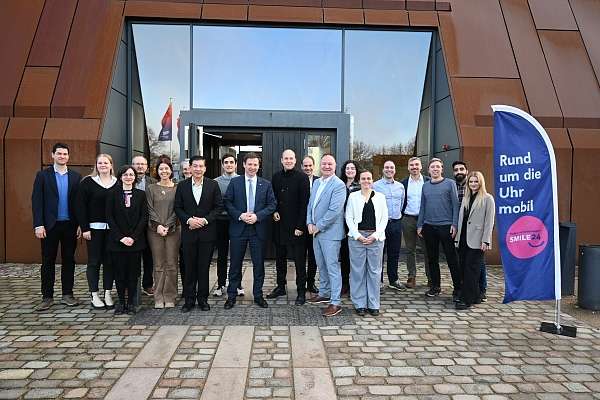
{"x": 140, "y": 164}
{"x": 308, "y": 165}
{"x": 250, "y": 202}
{"x": 198, "y": 202}
{"x": 292, "y": 191}
{"x": 54, "y": 222}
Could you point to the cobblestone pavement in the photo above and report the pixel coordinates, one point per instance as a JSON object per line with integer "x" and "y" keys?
{"x": 418, "y": 348}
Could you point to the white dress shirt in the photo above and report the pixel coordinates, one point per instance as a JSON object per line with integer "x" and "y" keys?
{"x": 413, "y": 195}
{"x": 197, "y": 190}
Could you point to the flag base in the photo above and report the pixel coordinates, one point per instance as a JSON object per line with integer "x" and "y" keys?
{"x": 563, "y": 330}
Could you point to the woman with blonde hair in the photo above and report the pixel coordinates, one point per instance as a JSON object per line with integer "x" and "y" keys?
{"x": 91, "y": 215}
{"x": 474, "y": 236}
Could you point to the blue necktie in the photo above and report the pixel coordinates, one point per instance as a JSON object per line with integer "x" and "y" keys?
{"x": 250, "y": 196}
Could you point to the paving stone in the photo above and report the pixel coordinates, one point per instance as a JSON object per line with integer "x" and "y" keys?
{"x": 43, "y": 393}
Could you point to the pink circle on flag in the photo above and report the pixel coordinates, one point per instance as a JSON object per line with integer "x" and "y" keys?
{"x": 527, "y": 237}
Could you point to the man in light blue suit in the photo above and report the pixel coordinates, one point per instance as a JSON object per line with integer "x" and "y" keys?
{"x": 325, "y": 220}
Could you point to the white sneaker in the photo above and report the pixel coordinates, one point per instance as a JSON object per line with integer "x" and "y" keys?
{"x": 159, "y": 305}
{"x": 108, "y": 299}
{"x": 96, "y": 301}
{"x": 169, "y": 305}
{"x": 219, "y": 291}
{"x": 241, "y": 292}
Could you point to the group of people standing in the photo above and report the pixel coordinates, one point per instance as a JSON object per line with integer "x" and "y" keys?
{"x": 342, "y": 226}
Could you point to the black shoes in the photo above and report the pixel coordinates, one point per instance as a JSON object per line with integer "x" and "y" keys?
{"x": 119, "y": 309}
{"x": 187, "y": 308}
{"x": 433, "y": 292}
{"x": 300, "y": 300}
{"x": 462, "y": 306}
{"x": 361, "y": 311}
{"x": 277, "y": 292}
{"x": 203, "y": 305}
{"x": 261, "y": 302}
{"x": 312, "y": 288}
{"x": 130, "y": 309}
{"x": 373, "y": 311}
{"x": 229, "y": 303}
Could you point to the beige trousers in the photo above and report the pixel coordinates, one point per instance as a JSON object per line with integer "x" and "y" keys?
{"x": 165, "y": 253}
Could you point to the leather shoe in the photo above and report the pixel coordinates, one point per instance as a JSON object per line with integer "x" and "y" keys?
{"x": 312, "y": 289}
{"x": 278, "y": 291}
{"x": 261, "y": 302}
{"x": 373, "y": 311}
{"x": 300, "y": 300}
{"x": 361, "y": 312}
{"x": 187, "y": 308}
{"x": 331, "y": 310}
{"x": 316, "y": 299}
{"x": 204, "y": 306}
{"x": 229, "y": 303}
{"x": 411, "y": 282}
{"x": 462, "y": 306}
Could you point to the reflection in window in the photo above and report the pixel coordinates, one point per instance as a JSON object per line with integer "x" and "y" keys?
{"x": 317, "y": 146}
{"x": 163, "y": 55}
{"x": 383, "y": 83}
{"x": 267, "y": 68}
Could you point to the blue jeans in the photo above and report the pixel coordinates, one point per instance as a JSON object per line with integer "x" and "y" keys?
{"x": 330, "y": 276}
{"x": 482, "y": 276}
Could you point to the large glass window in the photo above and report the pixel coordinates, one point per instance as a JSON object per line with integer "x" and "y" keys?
{"x": 267, "y": 68}
{"x": 383, "y": 85}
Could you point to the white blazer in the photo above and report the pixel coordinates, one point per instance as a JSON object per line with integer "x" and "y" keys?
{"x": 354, "y": 209}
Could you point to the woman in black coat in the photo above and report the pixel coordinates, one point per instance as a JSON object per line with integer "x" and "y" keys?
{"x": 349, "y": 174}
{"x": 127, "y": 217}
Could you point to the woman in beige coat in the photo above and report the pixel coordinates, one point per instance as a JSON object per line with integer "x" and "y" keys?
{"x": 474, "y": 236}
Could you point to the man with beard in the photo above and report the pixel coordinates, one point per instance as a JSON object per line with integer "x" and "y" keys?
{"x": 291, "y": 188}
{"x": 461, "y": 171}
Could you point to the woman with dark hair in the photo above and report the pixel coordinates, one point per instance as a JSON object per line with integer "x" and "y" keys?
{"x": 349, "y": 175}
{"x": 164, "y": 233}
{"x": 91, "y": 214}
{"x": 127, "y": 216}
{"x": 474, "y": 236}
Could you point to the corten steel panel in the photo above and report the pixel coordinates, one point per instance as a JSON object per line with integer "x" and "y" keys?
{"x": 552, "y": 14}
{"x": 587, "y": 13}
{"x": 300, "y": 3}
{"x": 84, "y": 79}
{"x": 443, "y": 5}
{"x": 52, "y": 33}
{"x": 564, "y": 164}
{"x": 586, "y": 196}
{"x": 475, "y": 40}
{"x": 343, "y": 16}
{"x": 162, "y": 9}
{"x": 385, "y": 4}
{"x": 473, "y": 98}
{"x": 228, "y": 12}
{"x": 3, "y": 126}
{"x": 18, "y": 20}
{"x": 22, "y": 153}
{"x": 386, "y": 17}
{"x": 81, "y": 135}
{"x": 285, "y": 14}
{"x": 35, "y": 93}
{"x": 478, "y": 153}
{"x": 423, "y": 18}
{"x": 576, "y": 85}
{"x": 420, "y": 5}
{"x": 343, "y": 3}
{"x": 537, "y": 83}
{"x": 243, "y": 2}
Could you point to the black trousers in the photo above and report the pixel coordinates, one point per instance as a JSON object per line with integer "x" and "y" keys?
{"x": 65, "y": 234}
{"x": 345, "y": 262}
{"x": 393, "y": 240}
{"x": 311, "y": 272}
{"x": 97, "y": 256}
{"x": 222, "y": 250}
{"x": 127, "y": 268}
{"x": 435, "y": 235}
{"x": 470, "y": 261}
{"x": 297, "y": 252}
{"x": 147, "y": 278}
{"x": 197, "y": 256}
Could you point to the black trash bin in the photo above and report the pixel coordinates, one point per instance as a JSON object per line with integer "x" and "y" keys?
{"x": 568, "y": 255}
{"x": 588, "y": 293}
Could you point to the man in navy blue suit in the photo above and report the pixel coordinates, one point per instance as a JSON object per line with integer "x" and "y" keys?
{"x": 52, "y": 203}
{"x": 250, "y": 203}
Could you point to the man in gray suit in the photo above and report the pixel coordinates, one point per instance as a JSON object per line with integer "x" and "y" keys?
{"x": 325, "y": 220}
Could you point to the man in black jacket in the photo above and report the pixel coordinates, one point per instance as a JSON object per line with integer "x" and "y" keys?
{"x": 413, "y": 186}
{"x": 54, "y": 222}
{"x": 308, "y": 165}
{"x": 291, "y": 188}
{"x": 198, "y": 202}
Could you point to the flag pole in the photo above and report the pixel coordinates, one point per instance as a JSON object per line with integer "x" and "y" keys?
{"x": 171, "y": 141}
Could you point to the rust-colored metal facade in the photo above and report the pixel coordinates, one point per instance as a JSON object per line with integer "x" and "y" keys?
{"x": 540, "y": 55}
